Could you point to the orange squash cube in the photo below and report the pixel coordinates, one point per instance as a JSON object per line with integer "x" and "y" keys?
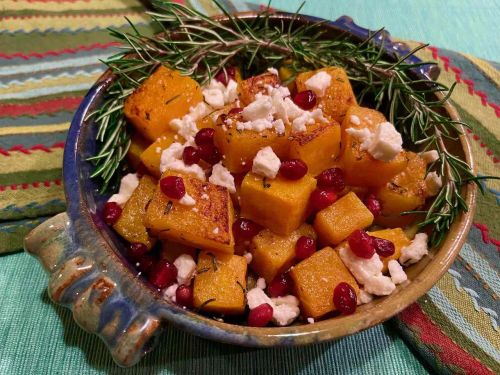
{"x": 206, "y": 224}
{"x": 151, "y": 157}
{"x": 171, "y": 250}
{"x": 248, "y": 88}
{"x": 398, "y": 237}
{"x": 315, "y": 279}
{"x": 274, "y": 254}
{"x": 162, "y": 97}
{"x": 137, "y": 146}
{"x": 336, "y": 222}
{"x": 318, "y": 146}
{"x": 131, "y": 224}
{"x": 278, "y": 204}
{"x": 338, "y": 96}
{"x": 220, "y": 282}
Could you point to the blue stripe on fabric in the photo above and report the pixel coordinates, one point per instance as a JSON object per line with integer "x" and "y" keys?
{"x": 87, "y": 71}
{"x": 482, "y": 267}
{"x": 45, "y": 91}
{"x": 56, "y": 118}
{"x": 29, "y": 140}
{"x": 488, "y": 250}
{"x": 65, "y": 30}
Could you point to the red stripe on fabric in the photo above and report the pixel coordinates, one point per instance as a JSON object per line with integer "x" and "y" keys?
{"x": 33, "y": 109}
{"x": 25, "y": 186}
{"x": 485, "y": 234}
{"x": 29, "y": 150}
{"x": 40, "y": 55}
{"x": 432, "y": 336}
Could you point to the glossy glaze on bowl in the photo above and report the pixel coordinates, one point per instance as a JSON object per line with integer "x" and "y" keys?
{"x": 88, "y": 274}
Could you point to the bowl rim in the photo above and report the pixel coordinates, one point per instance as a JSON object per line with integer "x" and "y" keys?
{"x": 365, "y": 317}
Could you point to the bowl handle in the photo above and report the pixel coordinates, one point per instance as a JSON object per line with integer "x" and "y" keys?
{"x": 94, "y": 297}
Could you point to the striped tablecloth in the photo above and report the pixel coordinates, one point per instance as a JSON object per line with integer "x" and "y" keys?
{"x": 49, "y": 57}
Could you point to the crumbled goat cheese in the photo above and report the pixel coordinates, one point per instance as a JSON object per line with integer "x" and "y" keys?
{"x": 187, "y": 200}
{"x": 248, "y": 257}
{"x": 186, "y": 126}
{"x": 169, "y": 293}
{"x": 186, "y": 268}
{"x": 258, "y": 125}
{"x": 355, "y": 120}
{"x": 307, "y": 118}
{"x": 261, "y": 283}
{"x": 429, "y": 156}
{"x": 364, "y": 297}
{"x": 379, "y": 285}
{"x": 364, "y": 136}
{"x": 194, "y": 209}
{"x": 279, "y": 125}
{"x": 319, "y": 83}
{"x": 222, "y": 177}
{"x": 285, "y": 310}
{"x": 361, "y": 268}
{"x": 216, "y": 230}
{"x": 256, "y": 297}
{"x": 128, "y": 184}
{"x": 217, "y": 95}
{"x": 171, "y": 159}
{"x": 433, "y": 183}
{"x": 398, "y": 275}
{"x": 260, "y": 108}
{"x": 273, "y": 71}
{"x": 415, "y": 251}
{"x": 310, "y": 320}
{"x": 158, "y": 150}
{"x": 383, "y": 144}
{"x": 204, "y": 196}
{"x": 266, "y": 163}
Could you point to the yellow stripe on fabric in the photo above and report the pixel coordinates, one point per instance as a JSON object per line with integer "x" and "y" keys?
{"x": 70, "y": 23}
{"x": 486, "y": 68}
{"x": 69, "y": 5}
{"x": 50, "y": 82}
{"x": 462, "y": 301}
{"x": 35, "y": 161}
{"x": 23, "y": 197}
{"x": 29, "y": 129}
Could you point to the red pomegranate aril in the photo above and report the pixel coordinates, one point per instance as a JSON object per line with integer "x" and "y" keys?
{"x": 305, "y": 99}
{"x": 224, "y": 77}
{"x": 210, "y": 154}
{"x": 373, "y": 204}
{"x": 235, "y": 111}
{"x": 322, "y": 198}
{"x": 260, "y": 316}
{"x": 305, "y": 247}
{"x": 383, "y": 247}
{"x": 222, "y": 118}
{"x": 331, "y": 178}
{"x": 145, "y": 263}
{"x": 112, "y": 212}
{"x": 280, "y": 286}
{"x": 173, "y": 187}
{"x": 190, "y": 155}
{"x": 344, "y": 298}
{"x": 136, "y": 250}
{"x": 205, "y": 136}
{"x": 245, "y": 230}
{"x": 361, "y": 244}
{"x": 184, "y": 295}
{"x": 293, "y": 169}
{"x": 162, "y": 274}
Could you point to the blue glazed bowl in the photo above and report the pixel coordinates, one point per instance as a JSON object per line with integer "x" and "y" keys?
{"x": 88, "y": 274}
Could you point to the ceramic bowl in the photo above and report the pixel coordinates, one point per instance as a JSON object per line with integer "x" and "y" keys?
{"x": 88, "y": 274}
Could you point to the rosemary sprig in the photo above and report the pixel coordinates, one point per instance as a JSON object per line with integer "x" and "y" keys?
{"x": 200, "y": 46}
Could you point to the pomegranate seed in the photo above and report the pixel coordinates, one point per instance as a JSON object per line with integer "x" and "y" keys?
{"x": 373, "y": 204}
{"x": 145, "y": 263}
{"x": 162, "y": 274}
{"x": 344, "y": 298}
{"x": 361, "y": 244}
{"x": 184, "y": 295}
{"x": 332, "y": 178}
{"x": 322, "y": 198}
{"x": 245, "y": 230}
{"x": 293, "y": 169}
{"x": 305, "y": 99}
{"x": 210, "y": 154}
{"x": 190, "y": 155}
{"x": 222, "y": 118}
{"x": 205, "y": 136}
{"x": 224, "y": 77}
{"x": 112, "y": 212}
{"x": 280, "y": 286}
{"x": 260, "y": 316}
{"x": 235, "y": 111}
{"x": 173, "y": 187}
{"x": 136, "y": 250}
{"x": 383, "y": 247}
{"x": 305, "y": 247}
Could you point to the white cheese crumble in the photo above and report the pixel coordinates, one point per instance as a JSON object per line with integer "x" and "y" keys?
{"x": 379, "y": 285}
{"x": 171, "y": 159}
{"x": 261, "y": 283}
{"x": 415, "y": 251}
{"x": 266, "y": 163}
{"x": 186, "y": 126}
{"x": 158, "y": 150}
{"x": 307, "y": 118}
{"x": 194, "y": 209}
{"x": 169, "y": 293}
{"x": 398, "y": 275}
{"x": 222, "y": 177}
{"x": 187, "y": 200}
{"x": 217, "y": 95}
{"x": 260, "y": 108}
{"x": 248, "y": 257}
{"x": 128, "y": 184}
{"x": 256, "y": 297}
{"x": 310, "y": 320}
{"x": 355, "y": 120}
{"x": 204, "y": 196}
{"x": 273, "y": 71}
{"x": 433, "y": 184}
{"x": 361, "y": 268}
{"x": 216, "y": 230}
{"x": 186, "y": 268}
{"x": 285, "y": 310}
{"x": 364, "y": 297}
{"x": 319, "y": 83}
{"x": 429, "y": 156}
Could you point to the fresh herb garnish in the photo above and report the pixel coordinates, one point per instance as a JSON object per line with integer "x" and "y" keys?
{"x": 168, "y": 208}
{"x": 265, "y": 184}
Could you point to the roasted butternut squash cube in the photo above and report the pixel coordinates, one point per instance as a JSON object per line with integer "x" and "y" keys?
{"x": 171, "y": 250}
{"x": 336, "y": 222}
{"x": 137, "y": 146}
{"x": 151, "y": 157}
{"x": 131, "y": 225}
{"x": 360, "y": 168}
{"x": 206, "y": 224}
{"x": 315, "y": 279}
{"x": 405, "y": 192}
{"x": 318, "y": 146}
{"x": 398, "y": 237}
{"x": 248, "y": 88}
{"x": 220, "y": 283}
{"x": 162, "y": 97}
{"x": 338, "y": 96}
{"x": 274, "y": 254}
{"x": 278, "y": 204}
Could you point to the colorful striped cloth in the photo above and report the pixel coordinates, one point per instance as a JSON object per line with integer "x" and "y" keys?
{"x": 49, "y": 57}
